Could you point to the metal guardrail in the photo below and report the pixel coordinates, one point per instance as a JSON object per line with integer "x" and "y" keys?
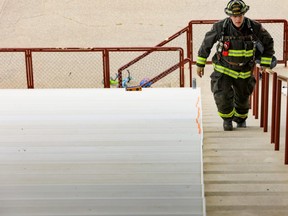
{"x": 276, "y": 92}
{"x": 100, "y": 71}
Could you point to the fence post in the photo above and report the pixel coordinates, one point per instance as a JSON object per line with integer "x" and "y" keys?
{"x": 182, "y": 77}
{"x": 189, "y": 51}
{"x": 106, "y": 68}
{"x": 190, "y": 45}
{"x": 29, "y": 69}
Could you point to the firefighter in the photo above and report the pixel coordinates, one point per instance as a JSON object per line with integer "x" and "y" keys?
{"x": 240, "y": 41}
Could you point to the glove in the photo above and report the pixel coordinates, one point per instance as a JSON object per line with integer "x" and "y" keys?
{"x": 200, "y": 71}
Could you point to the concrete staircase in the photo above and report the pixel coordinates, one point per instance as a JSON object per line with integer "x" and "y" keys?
{"x": 243, "y": 174}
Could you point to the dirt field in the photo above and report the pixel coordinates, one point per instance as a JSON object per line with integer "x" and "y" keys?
{"x": 95, "y": 23}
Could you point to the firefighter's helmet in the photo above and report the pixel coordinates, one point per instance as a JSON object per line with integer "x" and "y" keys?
{"x": 236, "y": 8}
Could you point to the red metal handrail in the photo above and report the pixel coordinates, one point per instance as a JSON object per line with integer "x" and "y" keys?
{"x": 169, "y": 39}
{"x": 170, "y": 70}
{"x": 276, "y": 108}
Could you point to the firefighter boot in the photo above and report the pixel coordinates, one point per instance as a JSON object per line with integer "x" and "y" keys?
{"x": 227, "y": 125}
{"x": 241, "y": 124}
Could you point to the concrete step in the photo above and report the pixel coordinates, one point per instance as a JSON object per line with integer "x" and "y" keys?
{"x": 243, "y": 174}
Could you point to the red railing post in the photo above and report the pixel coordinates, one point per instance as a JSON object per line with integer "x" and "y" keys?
{"x": 278, "y": 115}
{"x": 266, "y": 99}
{"x": 262, "y": 97}
{"x": 256, "y": 94}
{"x": 274, "y": 95}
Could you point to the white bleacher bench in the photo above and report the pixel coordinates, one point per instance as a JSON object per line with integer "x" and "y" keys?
{"x": 111, "y": 152}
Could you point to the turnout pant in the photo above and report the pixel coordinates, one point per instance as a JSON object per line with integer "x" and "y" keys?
{"x": 232, "y": 95}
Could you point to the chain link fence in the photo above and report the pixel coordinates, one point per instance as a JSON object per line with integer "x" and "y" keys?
{"x": 101, "y": 67}
{"x": 147, "y": 68}
{"x": 87, "y": 67}
{"x": 12, "y": 70}
{"x": 67, "y": 69}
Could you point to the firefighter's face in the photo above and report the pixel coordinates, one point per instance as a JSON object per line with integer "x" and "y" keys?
{"x": 237, "y": 20}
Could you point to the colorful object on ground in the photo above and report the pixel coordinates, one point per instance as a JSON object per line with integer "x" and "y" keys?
{"x": 134, "y": 88}
{"x": 126, "y": 80}
{"x": 145, "y": 83}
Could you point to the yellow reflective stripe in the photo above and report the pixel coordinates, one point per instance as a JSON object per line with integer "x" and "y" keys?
{"x": 265, "y": 60}
{"x": 241, "y": 115}
{"x": 232, "y": 113}
{"x": 228, "y": 115}
{"x": 229, "y": 5}
{"x": 232, "y": 73}
{"x": 240, "y": 53}
{"x": 244, "y": 75}
{"x": 201, "y": 60}
{"x": 225, "y": 70}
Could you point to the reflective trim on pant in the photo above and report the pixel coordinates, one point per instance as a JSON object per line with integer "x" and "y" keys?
{"x": 228, "y": 115}
{"x": 243, "y": 116}
{"x": 232, "y": 114}
{"x": 232, "y": 73}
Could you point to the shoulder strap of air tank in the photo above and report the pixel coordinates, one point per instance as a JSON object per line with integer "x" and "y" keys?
{"x": 224, "y": 26}
{"x": 249, "y": 25}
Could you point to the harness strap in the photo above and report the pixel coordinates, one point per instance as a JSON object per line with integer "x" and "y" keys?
{"x": 223, "y": 37}
{"x": 248, "y": 37}
{"x": 234, "y": 63}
